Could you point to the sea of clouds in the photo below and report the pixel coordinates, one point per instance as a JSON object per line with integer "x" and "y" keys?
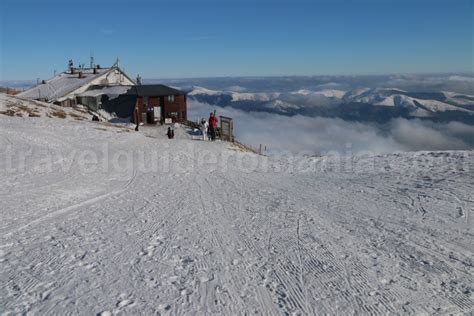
{"x": 319, "y": 135}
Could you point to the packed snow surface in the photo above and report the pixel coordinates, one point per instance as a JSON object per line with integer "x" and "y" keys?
{"x": 101, "y": 219}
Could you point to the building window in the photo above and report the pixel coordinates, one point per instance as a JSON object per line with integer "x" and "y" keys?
{"x": 173, "y": 115}
{"x": 171, "y": 98}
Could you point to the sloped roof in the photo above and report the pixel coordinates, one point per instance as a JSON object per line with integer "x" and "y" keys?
{"x": 153, "y": 90}
{"x": 156, "y": 90}
{"x": 62, "y": 84}
{"x": 95, "y": 91}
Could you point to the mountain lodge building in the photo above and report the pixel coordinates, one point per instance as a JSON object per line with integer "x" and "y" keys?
{"x": 111, "y": 90}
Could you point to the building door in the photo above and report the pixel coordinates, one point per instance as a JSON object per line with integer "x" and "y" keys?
{"x": 157, "y": 113}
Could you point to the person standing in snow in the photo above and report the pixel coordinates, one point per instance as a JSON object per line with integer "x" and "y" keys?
{"x": 213, "y": 125}
{"x": 170, "y": 133}
{"x": 204, "y": 128}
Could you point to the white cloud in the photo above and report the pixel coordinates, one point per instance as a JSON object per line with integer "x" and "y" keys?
{"x": 417, "y": 135}
{"x": 462, "y": 78}
{"x": 320, "y": 135}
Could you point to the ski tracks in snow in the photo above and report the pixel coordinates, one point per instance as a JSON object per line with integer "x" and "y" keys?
{"x": 70, "y": 208}
{"x": 230, "y": 242}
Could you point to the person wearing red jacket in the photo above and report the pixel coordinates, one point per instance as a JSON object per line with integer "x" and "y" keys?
{"x": 213, "y": 125}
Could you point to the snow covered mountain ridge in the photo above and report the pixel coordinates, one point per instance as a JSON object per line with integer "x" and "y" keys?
{"x": 358, "y": 104}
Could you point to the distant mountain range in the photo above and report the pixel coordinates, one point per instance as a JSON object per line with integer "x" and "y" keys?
{"x": 378, "y": 98}
{"x": 363, "y": 104}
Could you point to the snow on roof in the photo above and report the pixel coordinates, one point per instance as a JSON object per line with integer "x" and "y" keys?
{"x": 153, "y": 90}
{"x": 111, "y": 91}
{"x": 62, "y": 84}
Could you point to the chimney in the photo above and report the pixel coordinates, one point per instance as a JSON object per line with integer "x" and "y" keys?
{"x": 94, "y": 71}
{"x": 72, "y": 70}
{"x": 80, "y": 74}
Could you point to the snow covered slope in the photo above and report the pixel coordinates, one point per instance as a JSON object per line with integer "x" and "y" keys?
{"x": 396, "y": 97}
{"x": 201, "y": 90}
{"x": 20, "y": 107}
{"x": 263, "y": 96}
{"x": 234, "y": 95}
{"x": 98, "y": 220}
{"x": 329, "y": 93}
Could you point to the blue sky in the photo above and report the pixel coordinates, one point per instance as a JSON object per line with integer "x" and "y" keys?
{"x": 177, "y": 39}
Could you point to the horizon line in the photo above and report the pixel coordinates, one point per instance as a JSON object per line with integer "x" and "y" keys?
{"x": 292, "y": 76}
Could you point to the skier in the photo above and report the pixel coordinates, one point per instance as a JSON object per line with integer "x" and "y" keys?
{"x": 170, "y": 133}
{"x": 204, "y": 127}
{"x": 213, "y": 125}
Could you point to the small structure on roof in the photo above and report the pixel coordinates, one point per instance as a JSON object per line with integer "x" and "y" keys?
{"x": 63, "y": 88}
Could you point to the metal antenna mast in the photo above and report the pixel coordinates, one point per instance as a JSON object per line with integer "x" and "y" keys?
{"x": 92, "y": 61}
